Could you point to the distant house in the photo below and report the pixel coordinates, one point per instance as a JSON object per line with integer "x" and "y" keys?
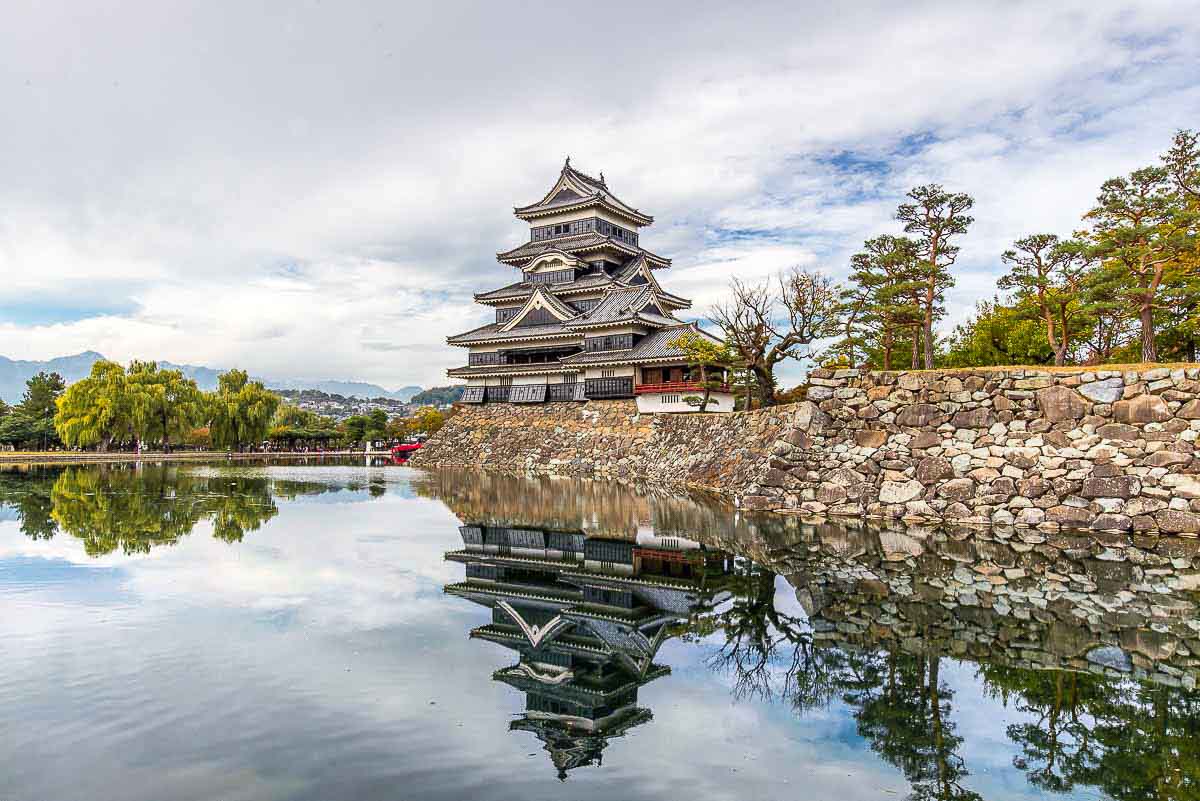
{"x": 588, "y": 318}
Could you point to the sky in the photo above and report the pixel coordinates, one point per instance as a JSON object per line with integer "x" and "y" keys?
{"x": 315, "y": 189}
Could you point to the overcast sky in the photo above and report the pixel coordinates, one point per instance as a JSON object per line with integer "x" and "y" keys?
{"x": 314, "y": 189}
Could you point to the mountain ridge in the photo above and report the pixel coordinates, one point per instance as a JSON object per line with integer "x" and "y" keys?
{"x": 15, "y": 372}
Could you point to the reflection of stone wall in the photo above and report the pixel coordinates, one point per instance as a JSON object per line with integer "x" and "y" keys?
{"x": 1104, "y": 603}
{"x": 599, "y": 508}
{"x": 1107, "y": 450}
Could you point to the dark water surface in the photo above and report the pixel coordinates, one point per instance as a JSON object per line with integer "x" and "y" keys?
{"x": 355, "y": 632}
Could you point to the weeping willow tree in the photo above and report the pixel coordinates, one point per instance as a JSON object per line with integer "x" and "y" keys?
{"x": 96, "y": 411}
{"x": 240, "y": 411}
{"x": 166, "y": 405}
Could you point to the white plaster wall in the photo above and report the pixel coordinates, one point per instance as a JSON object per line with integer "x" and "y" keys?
{"x": 655, "y": 403}
{"x": 612, "y": 372}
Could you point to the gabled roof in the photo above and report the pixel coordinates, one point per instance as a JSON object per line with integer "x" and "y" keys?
{"x": 625, "y": 304}
{"x": 574, "y": 245}
{"x": 541, "y": 298}
{"x": 521, "y": 289}
{"x": 570, "y": 258}
{"x": 574, "y": 190}
{"x": 655, "y": 346}
{"x": 638, "y": 273}
{"x": 492, "y": 333}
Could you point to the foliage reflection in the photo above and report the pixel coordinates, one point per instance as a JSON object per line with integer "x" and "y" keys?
{"x": 130, "y": 509}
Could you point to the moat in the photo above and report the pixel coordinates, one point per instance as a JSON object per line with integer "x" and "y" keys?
{"x": 317, "y": 631}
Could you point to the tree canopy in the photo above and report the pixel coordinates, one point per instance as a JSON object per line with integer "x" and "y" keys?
{"x": 240, "y": 411}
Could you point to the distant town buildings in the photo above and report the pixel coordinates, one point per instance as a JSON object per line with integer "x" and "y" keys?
{"x": 340, "y": 407}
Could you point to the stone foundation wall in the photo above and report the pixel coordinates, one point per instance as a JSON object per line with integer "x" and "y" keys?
{"x": 598, "y": 438}
{"x": 1108, "y": 450}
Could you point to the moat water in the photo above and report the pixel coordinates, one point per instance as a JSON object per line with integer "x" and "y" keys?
{"x": 330, "y": 631}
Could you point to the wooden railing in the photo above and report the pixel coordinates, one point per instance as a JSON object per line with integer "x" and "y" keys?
{"x": 676, "y": 386}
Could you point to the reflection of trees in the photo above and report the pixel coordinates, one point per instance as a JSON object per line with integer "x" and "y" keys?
{"x": 901, "y": 706}
{"x": 1132, "y": 740}
{"x": 133, "y": 510}
{"x": 903, "y": 710}
{"x": 757, "y": 637}
{"x": 1129, "y": 739}
{"x": 111, "y": 507}
{"x": 29, "y": 494}
{"x": 242, "y": 506}
{"x": 1057, "y": 745}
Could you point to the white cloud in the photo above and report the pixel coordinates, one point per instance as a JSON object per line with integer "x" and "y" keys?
{"x": 317, "y": 194}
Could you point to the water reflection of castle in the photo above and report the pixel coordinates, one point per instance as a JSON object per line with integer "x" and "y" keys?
{"x": 586, "y": 616}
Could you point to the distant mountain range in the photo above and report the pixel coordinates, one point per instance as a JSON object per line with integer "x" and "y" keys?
{"x": 14, "y": 374}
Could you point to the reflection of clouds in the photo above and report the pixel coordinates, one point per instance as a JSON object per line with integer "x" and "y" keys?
{"x": 340, "y": 561}
{"x": 318, "y": 658}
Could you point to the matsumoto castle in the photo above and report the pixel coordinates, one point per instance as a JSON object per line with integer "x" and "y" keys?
{"x": 587, "y": 319}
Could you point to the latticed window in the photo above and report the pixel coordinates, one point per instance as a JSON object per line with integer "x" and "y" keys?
{"x": 608, "y": 551}
{"x": 543, "y": 232}
{"x": 490, "y": 357}
{"x": 610, "y": 387}
{"x": 551, "y": 277}
{"x": 526, "y": 538}
{"x": 609, "y": 342}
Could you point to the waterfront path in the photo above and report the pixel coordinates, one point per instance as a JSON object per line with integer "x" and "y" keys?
{"x": 69, "y": 457}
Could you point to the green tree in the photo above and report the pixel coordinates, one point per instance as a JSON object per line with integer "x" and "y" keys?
{"x": 376, "y": 427}
{"x": 292, "y": 424}
{"x": 240, "y": 410}
{"x": 32, "y": 420}
{"x": 243, "y": 504}
{"x": 41, "y": 392}
{"x": 887, "y": 282}
{"x": 1182, "y": 161}
{"x": 354, "y": 428}
{"x": 1111, "y": 327}
{"x": 96, "y": 410}
{"x": 428, "y": 420}
{"x": 29, "y": 494}
{"x": 708, "y": 359}
{"x": 998, "y": 334}
{"x": 1142, "y": 230}
{"x": 166, "y": 405}
{"x": 935, "y": 216}
{"x": 1056, "y": 739}
{"x": 1048, "y": 274}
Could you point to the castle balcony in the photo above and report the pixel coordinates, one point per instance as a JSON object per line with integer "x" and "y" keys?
{"x": 676, "y": 386}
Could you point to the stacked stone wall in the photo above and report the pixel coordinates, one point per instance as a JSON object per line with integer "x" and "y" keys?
{"x": 1107, "y": 449}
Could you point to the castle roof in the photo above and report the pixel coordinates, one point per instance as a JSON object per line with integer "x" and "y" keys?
{"x": 625, "y": 304}
{"x": 492, "y": 332}
{"x": 655, "y": 346}
{"x": 577, "y": 190}
{"x": 576, "y": 244}
{"x": 635, "y": 272}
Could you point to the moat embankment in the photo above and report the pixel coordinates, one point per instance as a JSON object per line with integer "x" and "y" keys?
{"x": 1110, "y": 450}
{"x": 77, "y": 457}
